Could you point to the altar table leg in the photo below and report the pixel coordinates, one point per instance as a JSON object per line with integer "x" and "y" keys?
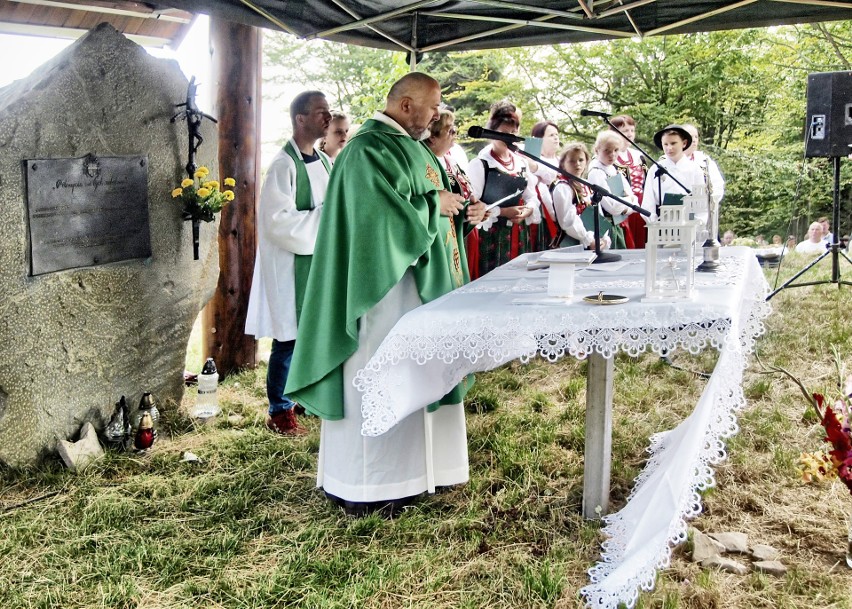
{"x": 598, "y": 451}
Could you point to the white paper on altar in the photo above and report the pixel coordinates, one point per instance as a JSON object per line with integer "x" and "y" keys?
{"x": 480, "y": 327}
{"x": 584, "y": 257}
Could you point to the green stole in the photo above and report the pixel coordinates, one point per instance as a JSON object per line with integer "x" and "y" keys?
{"x": 302, "y": 264}
{"x": 381, "y": 219}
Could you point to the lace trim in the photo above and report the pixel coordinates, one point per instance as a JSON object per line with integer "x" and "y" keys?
{"x": 610, "y": 588}
{"x": 488, "y": 342}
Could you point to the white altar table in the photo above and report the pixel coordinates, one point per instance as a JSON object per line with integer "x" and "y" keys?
{"x": 507, "y": 315}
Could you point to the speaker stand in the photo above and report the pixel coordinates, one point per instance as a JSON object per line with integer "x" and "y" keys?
{"x": 834, "y": 249}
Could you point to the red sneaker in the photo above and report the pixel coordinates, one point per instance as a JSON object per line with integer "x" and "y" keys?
{"x": 285, "y": 423}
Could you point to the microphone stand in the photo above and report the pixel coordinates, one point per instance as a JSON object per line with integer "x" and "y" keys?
{"x": 598, "y": 193}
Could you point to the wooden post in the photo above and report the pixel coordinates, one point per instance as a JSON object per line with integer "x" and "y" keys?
{"x": 598, "y": 451}
{"x": 236, "y": 52}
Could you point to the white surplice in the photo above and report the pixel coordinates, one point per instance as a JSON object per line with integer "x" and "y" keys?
{"x": 282, "y": 232}
{"x": 423, "y": 451}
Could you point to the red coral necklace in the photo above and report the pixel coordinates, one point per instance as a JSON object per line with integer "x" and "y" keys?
{"x": 509, "y": 165}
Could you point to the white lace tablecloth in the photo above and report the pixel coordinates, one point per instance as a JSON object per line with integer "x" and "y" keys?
{"x": 507, "y": 315}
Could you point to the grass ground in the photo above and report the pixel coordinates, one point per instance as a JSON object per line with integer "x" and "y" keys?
{"x": 245, "y": 527}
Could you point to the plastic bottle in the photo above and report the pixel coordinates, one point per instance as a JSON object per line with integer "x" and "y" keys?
{"x": 207, "y": 404}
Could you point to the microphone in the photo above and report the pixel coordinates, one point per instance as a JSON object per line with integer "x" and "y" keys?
{"x": 594, "y": 113}
{"x": 488, "y": 134}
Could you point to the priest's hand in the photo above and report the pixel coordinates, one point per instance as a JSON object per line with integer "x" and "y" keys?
{"x": 475, "y": 211}
{"x": 451, "y": 203}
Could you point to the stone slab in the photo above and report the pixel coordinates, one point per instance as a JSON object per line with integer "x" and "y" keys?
{"x": 725, "y": 564}
{"x": 761, "y": 552}
{"x": 85, "y": 451}
{"x": 704, "y": 546}
{"x": 733, "y": 541}
{"x": 72, "y": 342}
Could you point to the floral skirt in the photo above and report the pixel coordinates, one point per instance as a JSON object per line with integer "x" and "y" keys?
{"x": 501, "y": 243}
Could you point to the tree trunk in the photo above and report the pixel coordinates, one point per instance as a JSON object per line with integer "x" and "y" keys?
{"x": 236, "y": 73}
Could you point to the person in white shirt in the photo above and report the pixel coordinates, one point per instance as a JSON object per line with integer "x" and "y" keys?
{"x": 571, "y": 198}
{"x": 631, "y": 160}
{"x": 603, "y": 172}
{"x": 712, "y": 176}
{"x": 496, "y": 175}
{"x": 674, "y": 140}
{"x": 814, "y": 243}
{"x": 288, "y": 219}
{"x": 827, "y": 235}
{"x": 547, "y": 230}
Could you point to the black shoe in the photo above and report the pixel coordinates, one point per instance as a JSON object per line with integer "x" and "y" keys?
{"x": 386, "y": 509}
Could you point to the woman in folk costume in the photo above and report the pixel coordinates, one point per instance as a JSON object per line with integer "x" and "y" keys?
{"x": 571, "y": 198}
{"x": 630, "y": 161}
{"x": 499, "y": 176}
{"x": 604, "y": 173}
{"x": 545, "y": 233}
{"x": 441, "y": 140}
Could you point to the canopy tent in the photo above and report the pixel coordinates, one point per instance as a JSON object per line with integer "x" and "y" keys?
{"x": 421, "y": 25}
{"x": 429, "y": 25}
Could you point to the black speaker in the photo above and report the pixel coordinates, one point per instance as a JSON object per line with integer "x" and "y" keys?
{"x": 829, "y": 119}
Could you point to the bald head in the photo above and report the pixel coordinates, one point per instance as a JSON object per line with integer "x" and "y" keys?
{"x": 413, "y": 102}
{"x": 815, "y": 232}
{"x": 411, "y": 85}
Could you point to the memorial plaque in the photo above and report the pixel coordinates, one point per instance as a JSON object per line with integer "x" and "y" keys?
{"x": 87, "y": 211}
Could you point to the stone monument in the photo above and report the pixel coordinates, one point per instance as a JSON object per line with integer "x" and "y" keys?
{"x": 73, "y": 340}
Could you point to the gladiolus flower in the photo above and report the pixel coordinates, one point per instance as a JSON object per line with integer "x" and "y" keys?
{"x": 187, "y": 183}
{"x": 230, "y": 182}
{"x": 177, "y": 192}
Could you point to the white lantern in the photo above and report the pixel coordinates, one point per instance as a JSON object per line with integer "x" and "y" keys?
{"x": 670, "y": 253}
{"x": 697, "y": 206}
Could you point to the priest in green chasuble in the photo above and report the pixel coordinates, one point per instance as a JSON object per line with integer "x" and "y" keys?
{"x": 390, "y": 240}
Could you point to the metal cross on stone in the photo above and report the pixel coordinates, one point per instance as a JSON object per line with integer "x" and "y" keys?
{"x": 193, "y": 118}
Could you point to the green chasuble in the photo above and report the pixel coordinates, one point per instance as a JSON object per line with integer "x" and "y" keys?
{"x": 304, "y": 202}
{"x": 381, "y": 217}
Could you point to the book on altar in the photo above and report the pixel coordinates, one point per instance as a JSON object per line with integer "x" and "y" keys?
{"x": 557, "y": 256}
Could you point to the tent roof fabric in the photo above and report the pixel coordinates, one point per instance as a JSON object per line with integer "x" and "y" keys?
{"x": 141, "y": 22}
{"x": 427, "y": 25}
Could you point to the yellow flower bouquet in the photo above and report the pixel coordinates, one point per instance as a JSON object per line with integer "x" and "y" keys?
{"x": 202, "y": 199}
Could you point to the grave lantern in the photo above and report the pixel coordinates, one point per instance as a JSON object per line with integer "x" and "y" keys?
{"x": 147, "y": 418}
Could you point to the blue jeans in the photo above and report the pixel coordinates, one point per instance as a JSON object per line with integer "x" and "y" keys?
{"x": 276, "y": 376}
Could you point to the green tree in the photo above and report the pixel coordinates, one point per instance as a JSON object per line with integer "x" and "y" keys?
{"x": 354, "y": 78}
{"x": 744, "y": 89}
{"x": 656, "y": 80}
